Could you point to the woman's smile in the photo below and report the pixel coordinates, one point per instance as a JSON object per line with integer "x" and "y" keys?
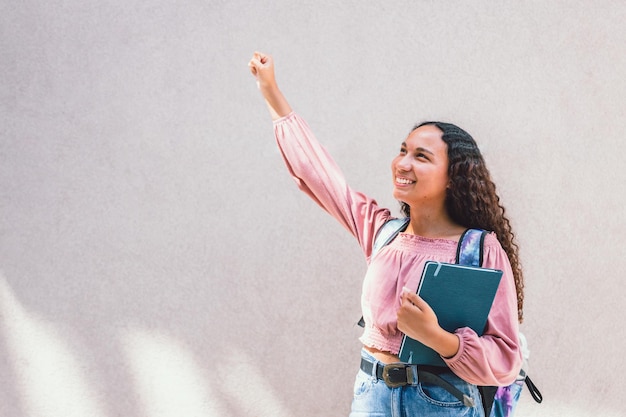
{"x": 403, "y": 181}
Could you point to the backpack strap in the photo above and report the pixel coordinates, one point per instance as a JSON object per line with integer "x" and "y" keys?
{"x": 388, "y": 232}
{"x": 470, "y": 252}
{"x": 534, "y": 391}
{"x": 470, "y": 248}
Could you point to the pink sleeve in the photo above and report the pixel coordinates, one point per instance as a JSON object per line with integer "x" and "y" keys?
{"x": 317, "y": 174}
{"x": 495, "y": 358}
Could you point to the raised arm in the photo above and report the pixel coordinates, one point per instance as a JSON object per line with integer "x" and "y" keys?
{"x": 262, "y": 68}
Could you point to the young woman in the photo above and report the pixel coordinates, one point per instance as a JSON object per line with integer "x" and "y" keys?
{"x": 444, "y": 187}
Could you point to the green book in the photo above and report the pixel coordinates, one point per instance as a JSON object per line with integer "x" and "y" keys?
{"x": 460, "y": 296}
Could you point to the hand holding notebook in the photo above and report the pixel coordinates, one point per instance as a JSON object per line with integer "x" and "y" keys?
{"x": 460, "y": 296}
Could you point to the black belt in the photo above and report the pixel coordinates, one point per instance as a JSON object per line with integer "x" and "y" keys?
{"x": 401, "y": 374}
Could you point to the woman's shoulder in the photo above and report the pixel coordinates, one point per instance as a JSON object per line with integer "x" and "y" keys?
{"x": 491, "y": 241}
{"x": 494, "y": 254}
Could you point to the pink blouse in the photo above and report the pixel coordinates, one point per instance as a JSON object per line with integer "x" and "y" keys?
{"x": 492, "y": 359}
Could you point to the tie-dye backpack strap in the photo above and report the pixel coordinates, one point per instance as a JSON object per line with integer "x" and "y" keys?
{"x": 497, "y": 401}
{"x": 469, "y": 250}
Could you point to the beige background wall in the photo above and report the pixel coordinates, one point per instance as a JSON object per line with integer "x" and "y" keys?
{"x": 157, "y": 260}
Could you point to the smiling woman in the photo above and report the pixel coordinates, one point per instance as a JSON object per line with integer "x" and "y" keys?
{"x": 421, "y": 178}
{"x": 444, "y": 187}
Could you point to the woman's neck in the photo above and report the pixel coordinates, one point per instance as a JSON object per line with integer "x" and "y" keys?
{"x": 433, "y": 225}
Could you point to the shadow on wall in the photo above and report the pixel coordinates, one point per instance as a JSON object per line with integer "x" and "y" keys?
{"x": 161, "y": 377}
{"x": 51, "y": 379}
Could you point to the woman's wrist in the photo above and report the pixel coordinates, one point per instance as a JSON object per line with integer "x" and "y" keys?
{"x": 446, "y": 344}
{"x": 268, "y": 88}
{"x": 276, "y": 102}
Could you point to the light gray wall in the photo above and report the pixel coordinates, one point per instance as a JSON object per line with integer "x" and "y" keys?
{"x": 157, "y": 260}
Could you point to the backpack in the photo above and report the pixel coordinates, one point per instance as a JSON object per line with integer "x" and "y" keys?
{"x": 497, "y": 401}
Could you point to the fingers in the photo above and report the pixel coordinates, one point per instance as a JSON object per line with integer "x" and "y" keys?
{"x": 254, "y": 65}
{"x": 259, "y": 62}
{"x": 419, "y": 302}
{"x": 411, "y": 300}
{"x": 408, "y": 296}
{"x": 261, "y": 57}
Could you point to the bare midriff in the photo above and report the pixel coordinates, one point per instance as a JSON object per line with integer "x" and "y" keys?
{"x": 383, "y": 356}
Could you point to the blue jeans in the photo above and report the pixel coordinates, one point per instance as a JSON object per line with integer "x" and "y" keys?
{"x": 373, "y": 398}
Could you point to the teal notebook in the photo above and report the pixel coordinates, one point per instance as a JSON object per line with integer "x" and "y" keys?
{"x": 460, "y": 296}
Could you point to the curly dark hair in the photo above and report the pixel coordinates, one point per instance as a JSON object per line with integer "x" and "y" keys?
{"x": 471, "y": 198}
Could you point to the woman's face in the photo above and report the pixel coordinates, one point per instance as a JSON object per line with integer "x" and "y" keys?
{"x": 420, "y": 171}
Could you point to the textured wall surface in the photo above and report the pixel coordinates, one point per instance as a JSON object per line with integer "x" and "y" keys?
{"x": 157, "y": 260}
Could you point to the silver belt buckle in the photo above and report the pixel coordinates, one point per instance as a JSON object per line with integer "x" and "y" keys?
{"x": 411, "y": 377}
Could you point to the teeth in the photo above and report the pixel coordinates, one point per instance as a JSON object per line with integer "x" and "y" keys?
{"x": 404, "y": 181}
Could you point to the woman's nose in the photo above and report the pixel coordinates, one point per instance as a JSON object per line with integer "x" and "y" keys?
{"x": 404, "y": 163}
